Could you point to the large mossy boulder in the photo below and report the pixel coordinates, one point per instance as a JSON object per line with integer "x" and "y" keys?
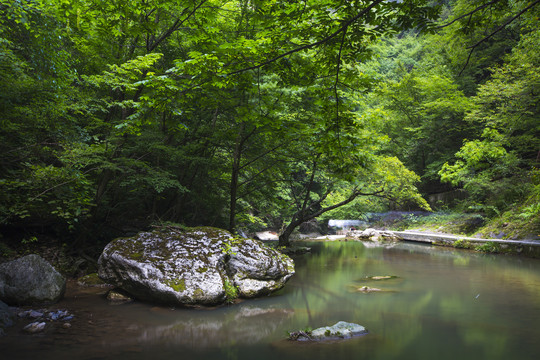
{"x": 30, "y": 280}
{"x": 196, "y": 266}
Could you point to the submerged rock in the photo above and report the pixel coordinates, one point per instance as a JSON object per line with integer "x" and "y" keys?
{"x": 198, "y": 266}
{"x": 30, "y": 280}
{"x": 295, "y": 250}
{"x": 339, "y": 331}
{"x": 381, "y": 277}
{"x": 368, "y": 289}
{"x": 118, "y": 297}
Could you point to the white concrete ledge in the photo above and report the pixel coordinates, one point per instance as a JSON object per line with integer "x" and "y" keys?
{"x": 435, "y": 238}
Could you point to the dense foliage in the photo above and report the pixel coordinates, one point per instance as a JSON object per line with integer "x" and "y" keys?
{"x": 248, "y": 114}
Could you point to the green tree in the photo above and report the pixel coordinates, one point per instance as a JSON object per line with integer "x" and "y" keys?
{"x": 127, "y": 113}
{"x": 496, "y": 167}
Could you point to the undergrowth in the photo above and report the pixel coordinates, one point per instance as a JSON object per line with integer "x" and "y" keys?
{"x": 443, "y": 222}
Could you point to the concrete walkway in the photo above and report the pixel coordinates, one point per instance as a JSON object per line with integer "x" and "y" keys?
{"x": 527, "y": 247}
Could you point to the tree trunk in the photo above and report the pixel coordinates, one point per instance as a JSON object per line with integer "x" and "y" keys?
{"x": 235, "y": 173}
{"x": 284, "y": 238}
{"x": 301, "y": 216}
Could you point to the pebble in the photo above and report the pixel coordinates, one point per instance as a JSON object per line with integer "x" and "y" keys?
{"x": 44, "y": 315}
{"x": 34, "y": 327}
{"x": 35, "y": 314}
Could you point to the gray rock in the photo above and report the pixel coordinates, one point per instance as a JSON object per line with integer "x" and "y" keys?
{"x": 30, "y": 280}
{"x": 257, "y": 269}
{"x": 35, "y": 327}
{"x": 341, "y": 330}
{"x": 35, "y": 314}
{"x": 372, "y": 235}
{"x": 198, "y": 266}
{"x": 6, "y": 317}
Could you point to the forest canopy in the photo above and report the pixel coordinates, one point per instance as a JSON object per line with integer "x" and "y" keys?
{"x": 254, "y": 114}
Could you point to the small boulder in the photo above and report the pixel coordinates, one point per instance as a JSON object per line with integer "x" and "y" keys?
{"x": 30, "y": 280}
{"x": 6, "y": 317}
{"x": 201, "y": 265}
{"x": 372, "y": 235}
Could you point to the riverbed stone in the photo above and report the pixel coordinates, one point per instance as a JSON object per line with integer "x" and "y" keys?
{"x": 35, "y": 327}
{"x": 201, "y": 265}
{"x": 30, "y": 280}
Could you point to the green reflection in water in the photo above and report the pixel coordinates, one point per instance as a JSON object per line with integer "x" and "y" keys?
{"x": 448, "y": 304}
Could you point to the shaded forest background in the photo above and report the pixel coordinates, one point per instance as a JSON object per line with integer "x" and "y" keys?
{"x": 118, "y": 115}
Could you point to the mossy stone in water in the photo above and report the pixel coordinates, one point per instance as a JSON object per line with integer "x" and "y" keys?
{"x": 177, "y": 266}
{"x": 339, "y": 331}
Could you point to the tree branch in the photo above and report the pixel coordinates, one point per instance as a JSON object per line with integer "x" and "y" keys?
{"x": 314, "y": 44}
{"x": 174, "y": 27}
{"x": 505, "y": 24}
{"x": 353, "y": 196}
{"x": 467, "y": 14}
{"x": 501, "y": 27}
{"x": 261, "y": 156}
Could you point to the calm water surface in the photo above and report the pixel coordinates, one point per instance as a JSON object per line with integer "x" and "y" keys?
{"x": 445, "y": 304}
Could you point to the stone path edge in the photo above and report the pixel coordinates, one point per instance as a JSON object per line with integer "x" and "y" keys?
{"x": 527, "y": 247}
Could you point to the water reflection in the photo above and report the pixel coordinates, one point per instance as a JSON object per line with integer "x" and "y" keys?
{"x": 244, "y": 325}
{"x": 443, "y": 303}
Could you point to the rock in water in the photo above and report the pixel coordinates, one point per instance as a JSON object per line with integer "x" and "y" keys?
{"x": 30, "y": 280}
{"x": 257, "y": 269}
{"x": 341, "y": 330}
{"x": 117, "y": 297}
{"x": 197, "y": 266}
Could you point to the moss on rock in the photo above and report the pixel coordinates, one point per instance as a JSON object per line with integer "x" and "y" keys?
{"x": 201, "y": 265}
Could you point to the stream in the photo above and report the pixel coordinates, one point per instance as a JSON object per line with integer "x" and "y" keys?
{"x": 441, "y": 303}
